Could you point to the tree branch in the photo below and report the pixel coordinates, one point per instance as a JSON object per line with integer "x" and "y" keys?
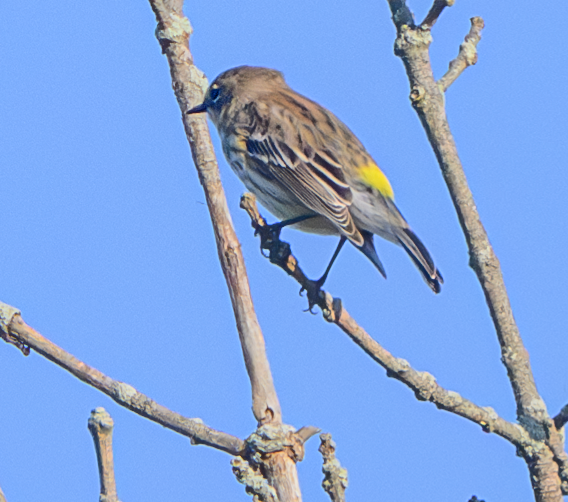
{"x": 561, "y": 419}
{"x": 423, "y": 384}
{"x": 427, "y": 99}
{"x": 189, "y": 84}
{"x": 412, "y": 46}
{"x": 467, "y": 55}
{"x": 335, "y": 477}
{"x": 100, "y": 426}
{"x": 401, "y": 14}
{"x": 122, "y": 393}
{"x": 437, "y": 7}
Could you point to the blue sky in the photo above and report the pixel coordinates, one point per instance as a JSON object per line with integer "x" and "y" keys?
{"x": 108, "y": 250}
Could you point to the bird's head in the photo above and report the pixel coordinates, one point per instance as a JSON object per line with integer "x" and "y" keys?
{"x": 238, "y": 85}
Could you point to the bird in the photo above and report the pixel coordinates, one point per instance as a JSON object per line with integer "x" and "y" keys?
{"x": 306, "y": 167}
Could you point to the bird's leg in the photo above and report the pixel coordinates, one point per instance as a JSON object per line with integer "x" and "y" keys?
{"x": 314, "y": 288}
{"x": 269, "y": 234}
{"x": 320, "y": 282}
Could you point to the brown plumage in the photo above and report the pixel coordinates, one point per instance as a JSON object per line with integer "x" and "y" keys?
{"x": 300, "y": 160}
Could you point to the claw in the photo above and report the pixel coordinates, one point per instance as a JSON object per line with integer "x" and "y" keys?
{"x": 268, "y": 235}
{"x": 313, "y": 290}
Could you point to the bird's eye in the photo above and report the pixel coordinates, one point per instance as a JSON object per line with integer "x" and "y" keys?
{"x": 214, "y": 94}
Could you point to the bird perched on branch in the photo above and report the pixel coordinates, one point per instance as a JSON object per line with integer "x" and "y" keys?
{"x": 306, "y": 167}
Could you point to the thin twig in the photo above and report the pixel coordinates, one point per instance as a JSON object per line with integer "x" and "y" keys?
{"x": 437, "y": 7}
{"x": 122, "y": 393}
{"x": 100, "y": 426}
{"x": 335, "y": 477}
{"x": 189, "y": 83}
{"x": 467, "y": 55}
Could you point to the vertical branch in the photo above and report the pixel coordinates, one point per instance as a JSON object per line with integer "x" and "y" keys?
{"x": 412, "y": 46}
{"x": 335, "y": 477}
{"x": 100, "y": 426}
{"x": 189, "y": 83}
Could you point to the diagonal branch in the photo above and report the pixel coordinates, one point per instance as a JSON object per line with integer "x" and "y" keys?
{"x": 121, "y": 392}
{"x": 412, "y": 46}
{"x": 189, "y": 83}
{"x": 423, "y": 384}
{"x": 437, "y": 7}
{"x": 428, "y": 101}
{"x": 467, "y": 55}
{"x": 561, "y": 419}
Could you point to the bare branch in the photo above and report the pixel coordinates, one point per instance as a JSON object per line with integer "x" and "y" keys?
{"x": 401, "y": 14}
{"x": 189, "y": 83}
{"x": 556, "y": 444}
{"x": 305, "y": 433}
{"x": 423, "y": 384}
{"x": 335, "y": 477}
{"x": 100, "y": 425}
{"x": 467, "y": 55}
{"x": 412, "y": 46}
{"x": 272, "y": 447}
{"x": 437, "y": 7}
{"x": 428, "y": 101}
{"x": 561, "y": 419}
{"x": 2, "y": 496}
{"x": 173, "y": 33}
{"x": 122, "y": 393}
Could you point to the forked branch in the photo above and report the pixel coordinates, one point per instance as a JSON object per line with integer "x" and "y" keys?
{"x": 412, "y": 46}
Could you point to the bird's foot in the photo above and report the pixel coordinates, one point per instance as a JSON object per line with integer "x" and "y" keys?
{"x": 269, "y": 236}
{"x": 314, "y": 294}
{"x": 278, "y": 251}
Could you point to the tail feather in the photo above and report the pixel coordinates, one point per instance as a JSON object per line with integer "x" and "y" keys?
{"x": 421, "y": 258}
{"x": 368, "y": 249}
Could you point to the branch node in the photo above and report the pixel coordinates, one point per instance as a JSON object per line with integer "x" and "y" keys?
{"x": 417, "y": 94}
{"x": 255, "y": 483}
{"x": 272, "y": 438}
{"x": 7, "y": 315}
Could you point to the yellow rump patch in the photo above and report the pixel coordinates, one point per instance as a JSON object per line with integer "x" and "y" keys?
{"x": 374, "y": 177}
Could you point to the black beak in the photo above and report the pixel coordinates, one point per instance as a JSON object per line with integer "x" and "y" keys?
{"x": 198, "y": 109}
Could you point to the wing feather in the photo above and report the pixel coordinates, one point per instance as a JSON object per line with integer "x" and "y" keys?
{"x": 308, "y": 170}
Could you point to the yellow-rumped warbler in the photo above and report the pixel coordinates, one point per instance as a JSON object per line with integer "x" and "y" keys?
{"x": 306, "y": 167}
